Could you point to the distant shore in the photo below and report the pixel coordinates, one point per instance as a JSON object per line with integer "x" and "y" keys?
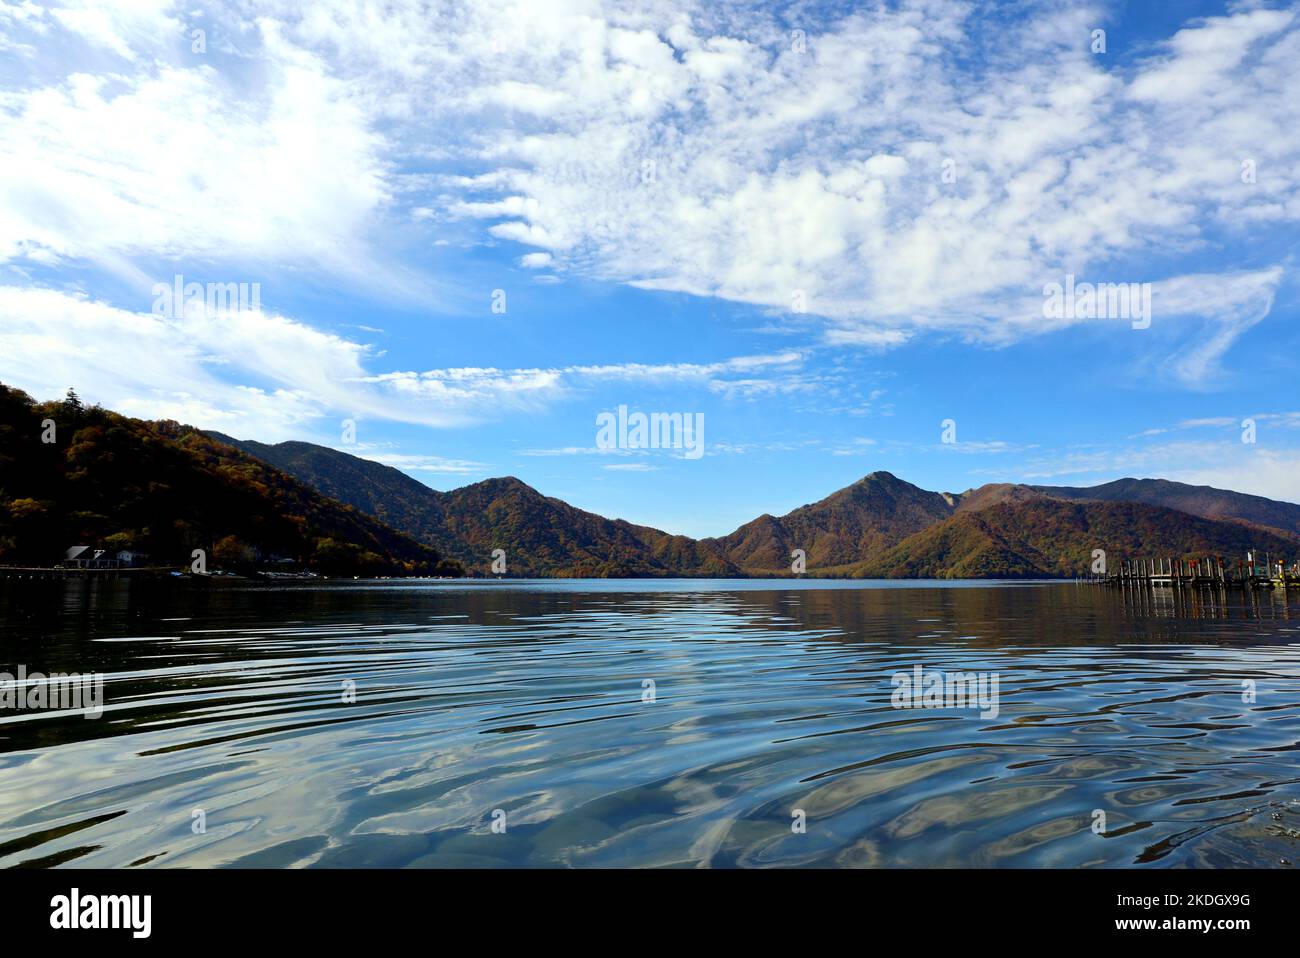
{"x": 171, "y": 573}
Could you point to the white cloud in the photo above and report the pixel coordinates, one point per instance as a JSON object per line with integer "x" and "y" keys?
{"x": 1274, "y": 474}
{"x": 583, "y": 451}
{"x": 491, "y": 391}
{"x": 862, "y": 336}
{"x": 981, "y": 447}
{"x": 145, "y": 366}
{"x": 854, "y": 447}
{"x": 1229, "y": 303}
{"x": 686, "y": 372}
{"x": 1243, "y": 467}
{"x": 248, "y": 372}
{"x": 174, "y": 161}
{"x": 256, "y": 373}
{"x": 420, "y": 463}
{"x": 685, "y": 146}
{"x": 1224, "y": 463}
{"x": 126, "y": 28}
{"x": 1201, "y": 60}
{"x": 770, "y": 173}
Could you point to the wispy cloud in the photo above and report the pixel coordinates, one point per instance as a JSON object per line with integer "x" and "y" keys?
{"x": 420, "y": 463}
{"x": 265, "y": 374}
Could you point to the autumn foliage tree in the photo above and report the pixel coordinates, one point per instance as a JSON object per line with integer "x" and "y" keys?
{"x": 166, "y": 489}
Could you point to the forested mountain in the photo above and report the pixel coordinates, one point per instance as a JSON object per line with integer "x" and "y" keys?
{"x": 878, "y": 526}
{"x": 1204, "y": 501}
{"x": 381, "y": 491}
{"x": 1046, "y": 537}
{"x": 546, "y": 536}
{"x": 848, "y": 526}
{"x": 541, "y": 535}
{"x": 71, "y": 475}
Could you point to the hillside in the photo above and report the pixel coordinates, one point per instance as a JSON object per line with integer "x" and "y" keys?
{"x": 878, "y": 526}
{"x": 1046, "y": 537}
{"x": 166, "y": 489}
{"x": 1204, "y": 501}
{"x": 388, "y": 494}
{"x": 993, "y": 494}
{"x": 853, "y": 524}
{"x": 547, "y": 536}
{"x": 542, "y": 536}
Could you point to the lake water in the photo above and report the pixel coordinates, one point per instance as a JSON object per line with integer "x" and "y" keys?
{"x": 1125, "y": 734}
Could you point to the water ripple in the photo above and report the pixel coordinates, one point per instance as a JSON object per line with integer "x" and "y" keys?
{"x": 651, "y": 724}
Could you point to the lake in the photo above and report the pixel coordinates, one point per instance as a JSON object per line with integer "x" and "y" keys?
{"x": 652, "y": 724}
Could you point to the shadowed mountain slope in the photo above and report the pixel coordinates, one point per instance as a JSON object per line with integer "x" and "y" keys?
{"x": 165, "y": 489}
{"x": 541, "y": 535}
{"x": 1204, "y": 501}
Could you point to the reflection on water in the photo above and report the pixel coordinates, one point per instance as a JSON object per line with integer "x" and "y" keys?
{"x": 529, "y": 698}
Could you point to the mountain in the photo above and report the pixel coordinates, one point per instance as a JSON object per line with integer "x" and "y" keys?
{"x": 546, "y": 536}
{"x": 1204, "y": 501}
{"x": 1047, "y": 537}
{"x": 388, "y": 494}
{"x": 165, "y": 489}
{"x": 878, "y": 526}
{"x": 856, "y": 523}
{"x": 991, "y": 495}
{"x": 541, "y": 535}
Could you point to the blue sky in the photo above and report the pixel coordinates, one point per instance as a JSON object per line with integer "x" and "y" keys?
{"x": 825, "y": 227}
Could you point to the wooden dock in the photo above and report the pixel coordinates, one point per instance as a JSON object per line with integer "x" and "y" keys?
{"x": 1250, "y": 572}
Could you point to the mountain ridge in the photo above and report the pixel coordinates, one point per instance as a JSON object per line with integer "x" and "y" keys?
{"x": 879, "y": 525}
{"x": 1055, "y": 538}
{"x": 1207, "y": 502}
{"x": 541, "y": 535}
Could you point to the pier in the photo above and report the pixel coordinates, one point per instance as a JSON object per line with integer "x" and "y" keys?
{"x": 1251, "y": 572}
